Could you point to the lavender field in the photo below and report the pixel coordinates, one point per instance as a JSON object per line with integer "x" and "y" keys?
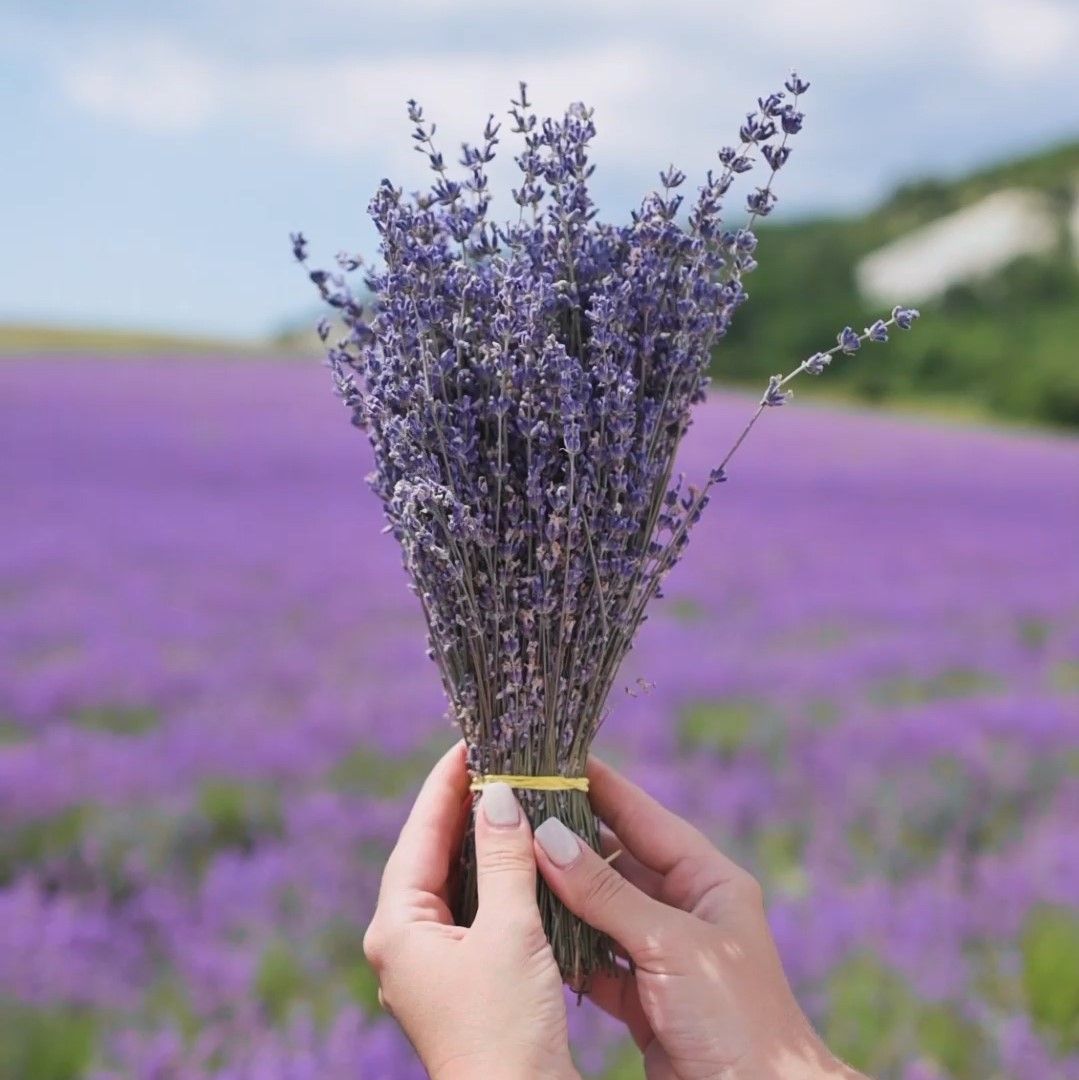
{"x": 215, "y": 707}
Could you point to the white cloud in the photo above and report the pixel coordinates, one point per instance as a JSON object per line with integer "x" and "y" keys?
{"x": 318, "y": 80}
{"x": 900, "y": 90}
{"x": 1024, "y": 37}
{"x": 355, "y": 102}
{"x": 150, "y": 84}
{"x": 341, "y": 88}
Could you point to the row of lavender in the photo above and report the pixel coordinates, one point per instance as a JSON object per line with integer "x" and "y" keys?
{"x": 215, "y": 706}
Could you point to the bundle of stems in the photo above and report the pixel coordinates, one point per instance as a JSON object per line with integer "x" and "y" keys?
{"x": 525, "y": 387}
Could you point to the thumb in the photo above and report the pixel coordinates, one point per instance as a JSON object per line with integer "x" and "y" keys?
{"x": 595, "y": 892}
{"x": 505, "y": 861}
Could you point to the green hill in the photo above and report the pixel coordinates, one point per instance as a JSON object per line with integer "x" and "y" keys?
{"x": 31, "y": 339}
{"x": 1007, "y": 346}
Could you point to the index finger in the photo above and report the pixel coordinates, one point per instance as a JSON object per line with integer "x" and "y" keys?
{"x": 659, "y": 839}
{"x": 420, "y": 861}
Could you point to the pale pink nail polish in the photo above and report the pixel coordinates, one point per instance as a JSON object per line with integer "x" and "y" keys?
{"x": 560, "y": 845}
{"x": 500, "y": 806}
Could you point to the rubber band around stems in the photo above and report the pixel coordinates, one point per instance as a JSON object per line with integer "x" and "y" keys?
{"x": 539, "y": 783}
{"x": 532, "y": 783}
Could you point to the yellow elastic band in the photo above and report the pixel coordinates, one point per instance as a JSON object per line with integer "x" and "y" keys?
{"x": 534, "y": 783}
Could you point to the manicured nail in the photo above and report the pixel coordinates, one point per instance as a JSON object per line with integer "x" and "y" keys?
{"x": 500, "y": 806}
{"x": 561, "y": 846}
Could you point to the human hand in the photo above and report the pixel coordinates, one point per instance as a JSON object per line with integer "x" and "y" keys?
{"x": 707, "y": 999}
{"x": 482, "y": 1001}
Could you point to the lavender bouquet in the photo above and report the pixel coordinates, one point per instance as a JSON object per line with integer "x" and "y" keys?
{"x": 525, "y": 387}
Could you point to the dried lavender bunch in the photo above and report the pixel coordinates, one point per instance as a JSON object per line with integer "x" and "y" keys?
{"x": 525, "y": 387}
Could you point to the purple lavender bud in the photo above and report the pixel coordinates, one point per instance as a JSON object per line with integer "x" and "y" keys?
{"x": 756, "y": 130}
{"x": 323, "y": 329}
{"x": 760, "y": 202}
{"x": 904, "y": 317}
{"x": 878, "y": 331}
{"x": 745, "y": 240}
{"x": 816, "y": 364}
{"x": 672, "y": 177}
{"x": 776, "y": 156}
{"x": 735, "y": 162}
{"x": 772, "y": 105}
{"x": 775, "y": 395}
{"x": 792, "y": 120}
{"x": 348, "y": 262}
{"x": 299, "y": 246}
{"x": 796, "y": 85}
{"x": 571, "y": 436}
{"x": 848, "y": 339}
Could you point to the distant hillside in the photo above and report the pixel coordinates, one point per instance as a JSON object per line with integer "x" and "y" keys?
{"x": 28, "y": 339}
{"x": 1007, "y": 345}
{"x": 1054, "y": 172}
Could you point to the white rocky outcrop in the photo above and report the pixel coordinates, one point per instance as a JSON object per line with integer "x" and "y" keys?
{"x": 971, "y": 243}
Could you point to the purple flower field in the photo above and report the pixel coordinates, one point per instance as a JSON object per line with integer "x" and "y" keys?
{"x": 215, "y": 707}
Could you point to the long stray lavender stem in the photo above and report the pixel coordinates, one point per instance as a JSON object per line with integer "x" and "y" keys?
{"x": 775, "y": 396}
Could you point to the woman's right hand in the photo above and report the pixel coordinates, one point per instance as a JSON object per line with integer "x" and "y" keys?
{"x": 707, "y": 997}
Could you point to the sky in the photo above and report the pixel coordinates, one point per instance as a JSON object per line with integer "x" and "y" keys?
{"x": 158, "y": 152}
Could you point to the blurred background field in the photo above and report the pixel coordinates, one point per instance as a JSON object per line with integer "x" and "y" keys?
{"x": 214, "y": 701}
{"x": 217, "y": 707}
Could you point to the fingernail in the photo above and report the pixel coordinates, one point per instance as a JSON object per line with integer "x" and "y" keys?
{"x": 500, "y": 806}
{"x": 560, "y": 845}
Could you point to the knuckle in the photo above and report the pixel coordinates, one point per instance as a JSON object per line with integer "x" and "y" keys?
{"x": 383, "y": 945}
{"x": 374, "y": 945}
{"x": 506, "y": 860}
{"x": 673, "y": 933}
{"x": 520, "y": 921}
{"x": 526, "y": 930}
{"x": 700, "y": 886}
{"x": 747, "y": 890}
{"x": 691, "y": 874}
{"x": 604, "y": 886}
{"x": 653, "y": 953}
{"x": 516, "y": 930}
{"x": 663, "y": 945}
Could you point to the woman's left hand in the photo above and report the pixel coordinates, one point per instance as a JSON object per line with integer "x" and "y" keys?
{"x": 485, "y": 1000}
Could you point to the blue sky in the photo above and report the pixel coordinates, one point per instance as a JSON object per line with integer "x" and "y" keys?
{"x": 158, "y": 153}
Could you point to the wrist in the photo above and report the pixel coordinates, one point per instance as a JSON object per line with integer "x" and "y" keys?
{"x": 502, "y": 1069}
{"x": 472, "y": 1070}
{"x": 808, "y": 1060}
{"x": 793, "y": 1052}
